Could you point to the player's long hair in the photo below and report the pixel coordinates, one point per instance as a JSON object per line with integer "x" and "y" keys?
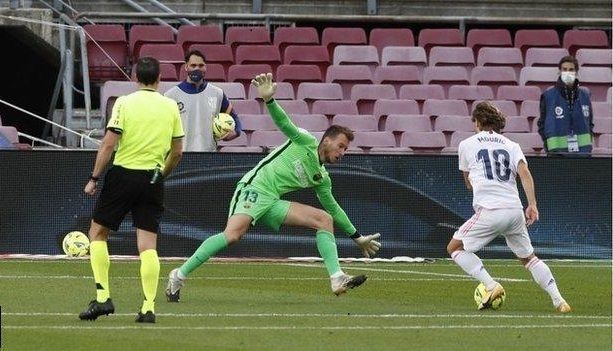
{"x": 489, "y": 116}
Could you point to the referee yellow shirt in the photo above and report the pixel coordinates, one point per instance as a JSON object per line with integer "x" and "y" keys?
{"x": 147, "y": 122}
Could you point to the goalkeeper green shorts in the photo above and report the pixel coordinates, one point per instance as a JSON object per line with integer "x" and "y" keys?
{"x": 264, "y": 208}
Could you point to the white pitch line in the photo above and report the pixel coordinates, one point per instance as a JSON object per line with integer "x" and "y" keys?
{"x": 319, "y": 315}
{"x": 223, "y": 278}
{"x": 395, "y": 327}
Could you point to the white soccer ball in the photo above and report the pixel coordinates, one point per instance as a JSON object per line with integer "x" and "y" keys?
{"x": 480, "y": 291}
{"x": 223, "y": 123}
{"x": 75, "y": 244}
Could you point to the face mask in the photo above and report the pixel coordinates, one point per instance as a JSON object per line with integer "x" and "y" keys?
{"x": 195, "y": 75}
{"x": 568, "y": 77}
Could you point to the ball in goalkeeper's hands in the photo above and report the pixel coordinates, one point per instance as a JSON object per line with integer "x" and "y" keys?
{"x": 223, "y": 124}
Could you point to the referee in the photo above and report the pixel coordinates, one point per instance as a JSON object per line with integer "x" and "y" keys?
{"x": 147, "y": 128}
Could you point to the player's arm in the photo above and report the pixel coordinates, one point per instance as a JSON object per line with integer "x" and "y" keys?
{"x": 527, "y": 182}
{"x": 266, "y": 89}
{"x": 367, "y": 243}
{"x": 226, "y": 107}
{"x": 467, "y": 180}
{"x": 105, "y": 152}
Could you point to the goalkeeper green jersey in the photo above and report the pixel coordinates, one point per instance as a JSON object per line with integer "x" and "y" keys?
{"x": 295, "y": 165}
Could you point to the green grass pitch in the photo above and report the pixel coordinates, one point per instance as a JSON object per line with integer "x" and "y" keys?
{"x": 289, "y": 306}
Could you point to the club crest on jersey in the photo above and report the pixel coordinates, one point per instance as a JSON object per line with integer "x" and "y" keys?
{"x": 317, "y": 177}
{"x": 559, "y": 112}
{"x": 181, "y": 106}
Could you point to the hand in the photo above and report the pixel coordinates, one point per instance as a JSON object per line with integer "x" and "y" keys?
{"x": 532, "y": 214}
{"x": 368, "y": 245}
{"x": 266, "y": 87}
{"x": 90, "y": 187}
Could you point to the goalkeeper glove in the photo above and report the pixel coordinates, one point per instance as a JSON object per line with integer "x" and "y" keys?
{"x": 368, "y": 245}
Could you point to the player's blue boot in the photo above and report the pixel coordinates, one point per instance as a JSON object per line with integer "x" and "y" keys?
{"x": 96, "y": 309}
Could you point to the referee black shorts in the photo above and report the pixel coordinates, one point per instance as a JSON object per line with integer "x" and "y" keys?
{"x": 127, "y": 190}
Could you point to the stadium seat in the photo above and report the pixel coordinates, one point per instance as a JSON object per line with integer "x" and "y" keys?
{"x": 384, "y": 37}
{"x": 604, "y": 141}
{"x": 216, "y": 53}
{"x": 542, "y": 77}
{"x": 530, "y": 109}
{"x": 240, "y": 149}
{"x": 450, "y": 124}
{"x": 256, "y": 54}
{"x": 509, "y": 108}
{"x": 356, "y": 55}
{"x": 518, "y": 93}
{"x": 334, "y": 107}
{"x": 423, "y": 141}
{"x": 294, "y": 106}
{"x": 597, "y": 80}
{"x": 421, "y": 92}
{"x": 251, "y": 122}
{"x": 365, "y": 95}
{"x": 357, "y": 123}
{"x": 285, "y": 91}
{"x": 516, "y": 125}
{"x": 168, "y": 72}
{"x": 470, "y": 93}
{"x": 456, "y": 138}
{"x": 529, "y": 142}
{"x": 576, "y": 39}
{"x": 347, "y": 76}
{"x": 452, "y": 56}
{"x": 149, "y": 34}
{"x": 610, "y": 95}
{"x": 310, "y": 92}
{"x": 601, "y": 109}
{"x": 385, "y": 107}
{"x": 404, "y": 55}
{"x": 494, "y": 77}
{"x": 312, "y": 123}
{"x": 368, "y": 140}
{"x": 478, "y": 38}
{"x": 110, "y": 91}
{"x": 511, "y": 57}
{"x": 214, "y": 73}
{"x": 397, "y": 76}
{"x": 297, "y": 74}
{"x": 439, "y": 37}
{"x": 238, "y": 35}
{"x": 165, "y": 53}
{"x": 233, "y": 91}
{"x": 286, "y": 36}
{"x": 543, "y": 38}
{"x": 594, "y": 58}
{"x": 246, "y": 107}
{"x": 446, "y": 76}
{"x": 399, "y": 123}
{"x": 112, "y": 39}
{"x": 602, "y": 126}
{"x": 245, "y": 73}
{"x": 267, "y": 139}
{"x": 307, "y": 55}
{"x": 333, "y": 36}
{"x": 435, "y": 107}
{"x": 545, "y": 57}
{"x": 10, "y": 133}
{"x": 204, "y": 34}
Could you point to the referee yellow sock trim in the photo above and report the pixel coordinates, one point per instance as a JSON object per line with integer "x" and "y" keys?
{"x": 99, "y": 260}
{"x": 149, "y": 275}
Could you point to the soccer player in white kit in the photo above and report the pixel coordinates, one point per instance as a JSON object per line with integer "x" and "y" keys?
{"x": 490, "y": 164}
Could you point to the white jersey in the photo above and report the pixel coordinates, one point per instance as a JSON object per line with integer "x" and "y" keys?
{"x": 491, "y": 161}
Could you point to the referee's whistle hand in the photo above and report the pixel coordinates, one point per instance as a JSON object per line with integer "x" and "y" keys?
{"x": 90, "y": 188}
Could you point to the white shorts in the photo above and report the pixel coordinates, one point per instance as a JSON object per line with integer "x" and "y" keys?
{"x": 485, "y": 225}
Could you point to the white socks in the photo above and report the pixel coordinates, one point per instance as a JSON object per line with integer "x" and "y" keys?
{"x": 542, "y": 275}
{"x": 472, "y": 265}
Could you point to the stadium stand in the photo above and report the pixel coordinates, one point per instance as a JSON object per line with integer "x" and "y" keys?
{"x": 205, "y": 34}
{"x": 237, "y": 35}
{"x": 384, "y": 37}
{"x": 285, "y": 36}
{"x": 148, "y": 34}
{"x": 333, "y": 36}
{"x": 478, "y": 38}
{"x": 439, "y": 37}
{"x": 574, "y": 39}
{"x": 112, "y": 40}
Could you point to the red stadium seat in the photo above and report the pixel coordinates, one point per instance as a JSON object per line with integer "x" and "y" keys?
{"x": 149, "y": 34}
{"x": 233, "y": 91}
{"x": 384, "y": 107}
{"x": 529, "y": 142}
{"x": 421, "y": 92}
{"x": 285, "y": 36}
{"x": 368, "y": 140}
{"x": 256, "y": 54}
{"x": 357, "y": 123}
{"x": 110, "y": 91}
{"x": 423, "y": 141}
{"x": 285, "y": 91}
{"x": 545, "y": 57}
{"x": 509, "y": 108}
{"x": 518, "y": 93}
{"x": 601, "y": 109}
{"x": 517, "y": 125}
{"x": 168, "y": 72}
{"x": 452, "y": 56}
{"x": 594, "y": 57}
{"x": 205, "y": 34}
{"x": 575, "y": 39}
{"x": 112, "y": 39}
{"x": 267, "y": 139}
{"x": 470, "y": 93}
{"x": 297, "y": 74}
{"x": 294, "y": 106}
{"x": 398, "y": 123}
{"x": 312, "y": 123}
{"x": 404, "y": 55}
{"x": 237, "y": 35}
{"x": 478, "y": 38}
{"x": 252, "y": 122}
{"x": 310, "y": 92}
{"x": 530, "y": 109}
{"x": 165, "y": 53}
{"x": 597, "y": 80}
{"x": 216, "y": 53}
{"x": 245, "y": 73}
{"x": 543, "y": 38}
{"x": 450, "y": 124}
{"x": 10, "y": 133}
{"x": 307, "y": 55}
{"x": 334, "y": 107}
{"x": 384, "y": 37}
{"x": 246, "y": 106}
{"x": 347, "y": 76}
{"x": 434, "y": 108}
{"x": 397, "y": 76}
{"x": 602, "y": 126}
{"x": 511, "y": 57}
{"x": 456, "y": 138}
{"x": 494, "y": 77}
{"x": 365, "y": 95}
{"x": 332, "y": 36}
{"x": 542, "y": 77}
{"x": 439, "y": 37}
{"x": 446, "y": 76}
{"x": 356, "y": 55}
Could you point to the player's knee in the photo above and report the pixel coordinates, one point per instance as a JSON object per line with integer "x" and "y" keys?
{"x": 453, "y": 246}
{"x": 233, "y": 236}
{"x": 324, "y": 221}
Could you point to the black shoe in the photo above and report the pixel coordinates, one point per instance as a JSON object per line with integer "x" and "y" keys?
{"x": 96, "y": 309}
{"x": 148, "y": 317}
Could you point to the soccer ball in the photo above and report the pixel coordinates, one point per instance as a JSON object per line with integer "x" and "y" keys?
{"x": 480, "y": 291}
{"x": 222, "y": 124}
{"x": 75, "y": 244}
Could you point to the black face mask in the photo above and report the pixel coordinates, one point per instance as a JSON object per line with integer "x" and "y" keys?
{"x": 195, "y": 75}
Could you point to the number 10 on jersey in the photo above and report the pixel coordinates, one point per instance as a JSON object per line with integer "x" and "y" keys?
{"x": 501, "y": 160}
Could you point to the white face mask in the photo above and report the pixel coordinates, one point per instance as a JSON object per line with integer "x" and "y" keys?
{"x": 568, "y": 77}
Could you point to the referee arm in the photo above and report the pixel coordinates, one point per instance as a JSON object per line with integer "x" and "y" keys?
{"x": 105, "y": 151}
{"x": 174, "y": 156}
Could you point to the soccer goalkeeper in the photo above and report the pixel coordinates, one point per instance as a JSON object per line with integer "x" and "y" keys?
{"x": 297, "y": 164}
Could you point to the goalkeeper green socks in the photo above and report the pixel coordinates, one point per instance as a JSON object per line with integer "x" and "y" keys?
{"x": 326, "y": 244}
{"x": 149, "y": 275}
{"x": 211, "y": 246}
{"x": 99, "y": 260}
